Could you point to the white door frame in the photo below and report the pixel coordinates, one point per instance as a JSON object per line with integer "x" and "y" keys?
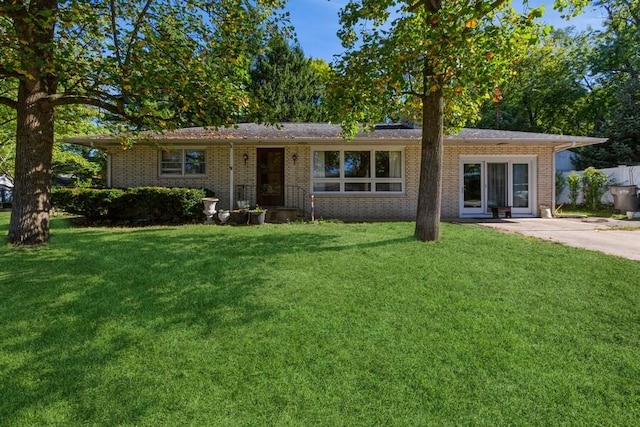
{"x": 483, "y": 209}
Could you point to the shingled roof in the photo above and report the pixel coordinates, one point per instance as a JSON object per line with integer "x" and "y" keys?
{"x": 324, "y": 133}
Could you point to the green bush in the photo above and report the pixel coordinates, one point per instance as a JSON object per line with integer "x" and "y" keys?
{"x": 561, "y": 183}
{"x": 93, "y": 204}
{"x": 594, "y": 184}
{"x": 153, "y": 204}
{"x": 573, "y": 181}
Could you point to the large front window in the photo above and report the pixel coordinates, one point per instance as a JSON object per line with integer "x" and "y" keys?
{"x": 357, "y": 171}
{"x": 187, "y": 162}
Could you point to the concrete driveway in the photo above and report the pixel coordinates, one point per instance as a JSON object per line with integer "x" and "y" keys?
{"x": 614, "y": 237}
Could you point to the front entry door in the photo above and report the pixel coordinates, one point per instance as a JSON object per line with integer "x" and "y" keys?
{"x": 270, "y": 177}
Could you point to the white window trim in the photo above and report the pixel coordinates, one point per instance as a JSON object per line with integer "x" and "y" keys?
{"x": 342, "y": 180}
{"x": 182, "y": 162}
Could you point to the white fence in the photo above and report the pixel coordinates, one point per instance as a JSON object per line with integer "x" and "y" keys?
{"x": 622, "y": 175}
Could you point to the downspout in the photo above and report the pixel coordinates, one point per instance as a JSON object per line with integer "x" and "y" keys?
{"x": 553, "y": 188}
{"x": 231, "y": 185}
{"x": 109, "y": 170}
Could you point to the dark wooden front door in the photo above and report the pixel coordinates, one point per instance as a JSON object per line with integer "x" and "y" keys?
{"x": 270, "y": 177}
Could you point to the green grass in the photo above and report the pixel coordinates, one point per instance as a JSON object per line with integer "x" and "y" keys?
{"x": 602, "y": 211}
{"x": 315, "y": 324}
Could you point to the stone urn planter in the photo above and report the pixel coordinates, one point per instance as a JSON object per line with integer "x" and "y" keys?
{"x": 223, "y": 216}
{"x": 209, "y": 208}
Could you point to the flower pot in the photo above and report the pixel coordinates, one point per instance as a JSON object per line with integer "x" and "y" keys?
{"x": 257, "y": 217}
{"x": 239, "y": 217}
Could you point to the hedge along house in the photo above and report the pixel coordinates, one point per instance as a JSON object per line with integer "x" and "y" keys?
{"x": 372, "y": 177}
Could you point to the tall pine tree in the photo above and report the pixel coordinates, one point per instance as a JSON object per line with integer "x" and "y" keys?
{"x": 287, "y": 86}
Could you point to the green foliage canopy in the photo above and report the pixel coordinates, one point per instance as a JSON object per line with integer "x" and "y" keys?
{"x": 287, "y": 86}
{"x": 155, "y": 63}
{"x": 400, "y": 51}
{"x": 431, "y": 62}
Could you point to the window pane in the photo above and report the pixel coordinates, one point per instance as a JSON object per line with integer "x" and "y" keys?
{"x": 388, "y": 164}
{"x": 357, "y": 186}
{"x": 389, "y": 186}
{"x": 472, "y": 185}
{"x": 521, "y": 185}
{"x": 171, "y": 162}
{"x": 357, "y": 164}
{"x": 194, "y": 162}
{"x": 326, "y": 186}
{"x": 326, "y": 164}
{"x": 497, "y": 184}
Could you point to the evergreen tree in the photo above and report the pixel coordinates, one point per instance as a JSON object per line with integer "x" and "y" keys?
{"x": 287, "y": 86}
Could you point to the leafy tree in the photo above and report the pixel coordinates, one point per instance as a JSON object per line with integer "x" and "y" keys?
{"x": 429, "y": 61}
{"x": 550, "y": 91}
{"x": 616, "y": 64}
{"x": 131, "y": 59}
{"x": 71, "y": 120}
{"x": 7, "y": 130}
{"x": 287, "y": 86}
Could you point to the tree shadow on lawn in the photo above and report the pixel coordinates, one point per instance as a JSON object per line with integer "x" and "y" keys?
{"x": 94, "y": 296}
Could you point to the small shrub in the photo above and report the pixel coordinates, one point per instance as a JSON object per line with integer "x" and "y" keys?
{"x": 561, "y": 184}
{"x": 573, "y": 181}
{"x": 594, "y": 184}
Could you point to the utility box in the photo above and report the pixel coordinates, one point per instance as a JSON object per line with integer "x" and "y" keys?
{"x": 625, "y": 197}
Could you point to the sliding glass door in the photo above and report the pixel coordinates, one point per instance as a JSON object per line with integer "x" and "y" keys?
{"x": 490, "y": 182}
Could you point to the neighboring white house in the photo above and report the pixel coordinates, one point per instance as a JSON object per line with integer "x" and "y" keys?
{"x": 6, "y": 188}
{"x": 564, "y": 161}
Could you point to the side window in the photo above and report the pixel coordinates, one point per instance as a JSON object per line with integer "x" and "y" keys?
{"x": 187, "y": 162}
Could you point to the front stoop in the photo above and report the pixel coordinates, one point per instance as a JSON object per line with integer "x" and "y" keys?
{"x": 282, "y": 214}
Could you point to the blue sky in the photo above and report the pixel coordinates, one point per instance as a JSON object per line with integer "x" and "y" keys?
{"x": 316, "y": 23}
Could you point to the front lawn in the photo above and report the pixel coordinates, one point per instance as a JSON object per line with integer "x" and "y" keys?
{"x": 315, "y": 324}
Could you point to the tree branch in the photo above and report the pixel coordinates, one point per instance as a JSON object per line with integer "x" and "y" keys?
{"x": 117, "y": 109}
{"x": 413, "y": 93}
{"x": 8, "y": 73}
{"x": 114, "y": 32}
{"x": 11, "y": 103}
{"x": 6, "y": 122}
{"x": 136, "y": 28}
{"x": 62, "y": 99}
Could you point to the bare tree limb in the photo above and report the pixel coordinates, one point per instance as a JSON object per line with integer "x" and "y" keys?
{"x": 136, "y": 29}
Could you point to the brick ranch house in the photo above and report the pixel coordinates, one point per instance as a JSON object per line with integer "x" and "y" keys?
{"x": 372, "y": 177}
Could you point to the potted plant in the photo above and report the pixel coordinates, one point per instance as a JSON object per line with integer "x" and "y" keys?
{"x": 240, "y": 216}
{"x": 257, "y": 215}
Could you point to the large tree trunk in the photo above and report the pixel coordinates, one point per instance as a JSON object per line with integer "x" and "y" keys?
{"x": 430, "y": 188}
{"x": 34, "y": 145}
{"x": 34, "y": 137}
